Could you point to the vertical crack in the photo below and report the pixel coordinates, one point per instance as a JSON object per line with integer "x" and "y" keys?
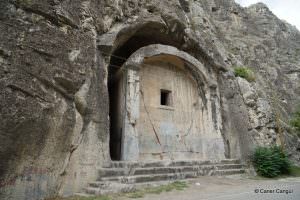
{"x": 151, "y": 122}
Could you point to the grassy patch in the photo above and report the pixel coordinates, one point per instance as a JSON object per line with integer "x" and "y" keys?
{"x": 244, "y": 72}
{"x": 178, "y": 185}
{"x": 84, "y": 198}
{"x": 295, "y": 121}
{"x": 136, "y": 194}
{"x": 294, "y": 171}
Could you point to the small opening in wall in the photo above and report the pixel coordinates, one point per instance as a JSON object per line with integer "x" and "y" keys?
{"x": 165, "y": 98}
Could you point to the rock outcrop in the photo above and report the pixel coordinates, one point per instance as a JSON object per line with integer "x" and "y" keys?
{"x": 54, "y": 65}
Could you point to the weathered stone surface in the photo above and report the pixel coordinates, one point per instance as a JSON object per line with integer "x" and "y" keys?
{"x": 54, "y": 101}
{"x": 50, "y": 62}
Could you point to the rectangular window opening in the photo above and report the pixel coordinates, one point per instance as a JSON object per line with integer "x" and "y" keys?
{"x": 165, "y": 98}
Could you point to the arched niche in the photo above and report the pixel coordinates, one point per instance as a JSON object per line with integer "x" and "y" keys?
{"x": 145, "y": 137}
{"x": 123, "y": 40}
{"x": 119, "y": 44}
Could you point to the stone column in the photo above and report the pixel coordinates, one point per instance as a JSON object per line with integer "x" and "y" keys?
{"x": 130, "y": 148}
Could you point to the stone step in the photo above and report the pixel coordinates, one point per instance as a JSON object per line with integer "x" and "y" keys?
{"x": 227, "y": 172}
{"x": 122, "y": 164}
{"x": 105, "y": 172}
{"x": 126, "y": 164}
{"x": 230, "y": 161}
{"x": 109, "y": 185}
{"x": 229, "y": 166}
{"x": 99, "y": 191}
{"x": 102, "y": 184}
{"x": 172, "y": 169}
{"x": 164, "y": 170}
{"x": 203, "y": 162}
{"x": 149, "y": 177}
{"x": 123, "y": 176}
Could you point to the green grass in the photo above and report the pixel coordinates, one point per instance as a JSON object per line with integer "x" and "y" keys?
{"x": 178, "y": 185}
{"x": 136, "y": 194}
{"x": 244, "y": 72}
{"x": 84, "y": 198}
{"x": 294, "y": 171}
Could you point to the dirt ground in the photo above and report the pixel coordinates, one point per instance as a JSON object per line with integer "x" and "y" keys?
{"x": 233, "y": 188}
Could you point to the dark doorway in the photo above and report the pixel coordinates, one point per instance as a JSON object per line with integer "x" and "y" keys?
{"x": 116, "y": 105}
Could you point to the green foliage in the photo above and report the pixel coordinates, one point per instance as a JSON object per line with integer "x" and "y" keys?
{"x": 244, "y": 72}
{"x": 271, "y": 161}
{"x": 295, "y": 122}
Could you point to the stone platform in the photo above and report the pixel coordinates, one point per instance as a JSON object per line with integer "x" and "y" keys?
{"x": 123, "y": 176}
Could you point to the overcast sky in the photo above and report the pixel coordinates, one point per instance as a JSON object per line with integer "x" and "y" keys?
{"x": 288, "y": 10}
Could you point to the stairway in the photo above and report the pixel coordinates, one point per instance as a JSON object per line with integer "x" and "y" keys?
{"x": 128, "y": 176}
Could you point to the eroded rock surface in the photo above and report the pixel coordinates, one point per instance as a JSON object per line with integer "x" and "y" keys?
{"x": 54, "y": 58}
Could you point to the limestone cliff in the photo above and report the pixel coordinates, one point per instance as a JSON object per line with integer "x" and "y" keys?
{"x": 54, "y": 64}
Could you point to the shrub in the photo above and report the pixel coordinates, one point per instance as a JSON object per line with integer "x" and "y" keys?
{"x": 244, "y": 72}
{"x": 271, "y": 161}
{"x": 295, "y": 122}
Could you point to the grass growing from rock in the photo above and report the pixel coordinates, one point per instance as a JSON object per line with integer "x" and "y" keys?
{"x": 244, "y": 72}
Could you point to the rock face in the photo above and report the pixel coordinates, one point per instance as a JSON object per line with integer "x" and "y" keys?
{"x": 56, "y": 58}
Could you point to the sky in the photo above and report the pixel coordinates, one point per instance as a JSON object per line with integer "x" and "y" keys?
{"x": 289, "y": 10}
